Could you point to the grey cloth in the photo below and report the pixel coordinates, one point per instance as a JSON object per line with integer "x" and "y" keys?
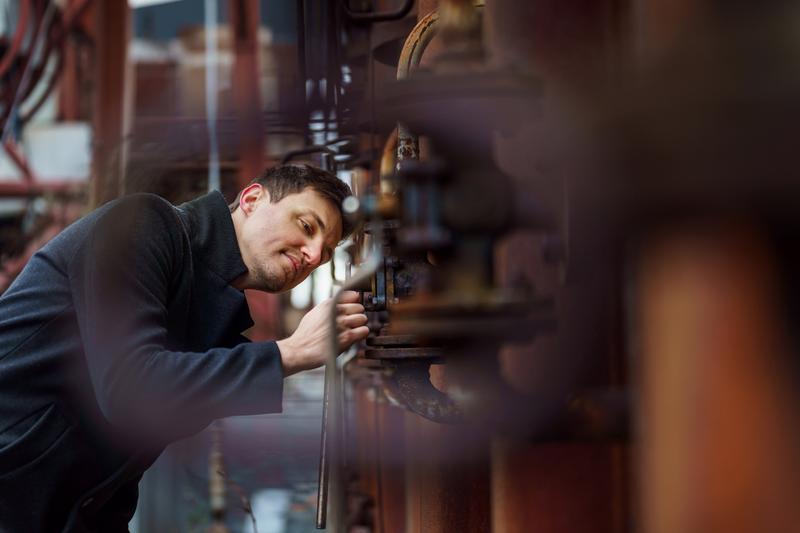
{"x": 121, "y": 335}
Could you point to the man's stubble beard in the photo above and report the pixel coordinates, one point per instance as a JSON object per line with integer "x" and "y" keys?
{"x": 271, "y": 281}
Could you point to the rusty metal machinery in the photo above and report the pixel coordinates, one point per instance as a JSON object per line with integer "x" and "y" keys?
{"x": 680, "y": 210}
{"x": 45, "y": 32}
{"x": 436, "y": 299}
{"x": 437, "y": 210}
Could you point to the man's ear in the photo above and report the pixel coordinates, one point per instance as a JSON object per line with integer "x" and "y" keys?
{"x": 251, "y": 196}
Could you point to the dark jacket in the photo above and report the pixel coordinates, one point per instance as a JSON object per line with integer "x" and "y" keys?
{"x": 121, "y": 335}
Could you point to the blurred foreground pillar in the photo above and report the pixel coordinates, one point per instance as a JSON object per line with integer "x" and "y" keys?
{"x": 557, "y": 487}
{"x": 719, "y": 434}
{"x": 448, "y": 478}
{"x": 112, "y": 100}
{"x": 245, "y": 21}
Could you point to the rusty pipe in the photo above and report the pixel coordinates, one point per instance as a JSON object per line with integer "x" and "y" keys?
{"x": 17, "y": 90}
{"x": 73, "y": 13}
{"x": 51, "y": 83}
{"x": 50, "y": 38}
{"x": 19, "y": 35}
{"x": 416, "y": 43}
{"x": 19, "y": 161}
{"x": 410, "y": 57}
{"x": 418, "y": 40}
{"x": 61, "y": 27}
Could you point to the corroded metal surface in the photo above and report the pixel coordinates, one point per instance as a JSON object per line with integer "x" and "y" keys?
{"x": 409, "y": 385}
{"x": 111, "y": 115}
{"x": 410, "y": 56}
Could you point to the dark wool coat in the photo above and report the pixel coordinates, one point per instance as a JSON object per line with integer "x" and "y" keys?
{"x": 121, "y": 335}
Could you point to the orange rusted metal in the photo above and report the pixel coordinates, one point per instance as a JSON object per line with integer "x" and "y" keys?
{"x": 245, "y": 22}
{"x": 112, "y": 99}
{"x": 19, "y": 36}
{"x": 719, "y": 437}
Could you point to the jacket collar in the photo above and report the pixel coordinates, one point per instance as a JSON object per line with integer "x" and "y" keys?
{"x": 212, "y": 235}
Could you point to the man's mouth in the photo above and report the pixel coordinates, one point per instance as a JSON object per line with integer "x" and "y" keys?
{"x": 294, "y": 262}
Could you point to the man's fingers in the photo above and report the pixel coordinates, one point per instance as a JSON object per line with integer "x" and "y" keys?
{"x": 351, "y": 321}
{"x": 349, "y": 297}
{"x": 349, "y": 309}
{"x": 351, "y": 336}
{"x": 359, "y": 333}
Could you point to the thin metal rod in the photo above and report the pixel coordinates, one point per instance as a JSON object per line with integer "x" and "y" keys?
{"x": 324, "y": 468}
{"x": 331, "y": 411}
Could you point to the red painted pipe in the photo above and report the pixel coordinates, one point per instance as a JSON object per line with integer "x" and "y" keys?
{"x": 16, "y": 43}
{"x": 61, "y": 28}
{"x": 74, "y": 12}
{"x": 18, "y": 159}
{"x": 13, "y": 103}
{"x": 51, "y": 43}
{"x": 51, "y": 83}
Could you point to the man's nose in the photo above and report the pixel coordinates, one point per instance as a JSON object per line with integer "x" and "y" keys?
{"x": 312, "y": 253}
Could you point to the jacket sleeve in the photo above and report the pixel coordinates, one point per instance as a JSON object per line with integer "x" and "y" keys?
{"x": 123, "y": 276}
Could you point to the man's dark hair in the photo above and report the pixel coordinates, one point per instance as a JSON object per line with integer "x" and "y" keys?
{"x": 284, "y": 180}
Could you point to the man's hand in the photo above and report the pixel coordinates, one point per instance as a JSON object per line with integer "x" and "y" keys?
{"x": 308, "y": 345}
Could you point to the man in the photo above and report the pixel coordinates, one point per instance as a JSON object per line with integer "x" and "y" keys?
{"x": 124, "y": 334}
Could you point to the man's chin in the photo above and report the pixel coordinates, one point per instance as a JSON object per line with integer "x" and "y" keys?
{"x": 280, "y": 283}
{"x": 275, "y": 285}
{"x": 291, "y": 284}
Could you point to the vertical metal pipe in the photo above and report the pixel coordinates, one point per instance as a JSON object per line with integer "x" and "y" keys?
{"x": 112, "y": 99}
{"x": 301, "y": 64}
{"x": 718, "y": 414}
{"x": 245, "y": 22}
{"x": 324, "y": 466}
{"x": 212, "y": 93}
{"x": 331, "y": 450}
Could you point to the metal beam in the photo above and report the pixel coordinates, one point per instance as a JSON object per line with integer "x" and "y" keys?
{"x": 112, "y": 100}
{"x": 245, "y": 22}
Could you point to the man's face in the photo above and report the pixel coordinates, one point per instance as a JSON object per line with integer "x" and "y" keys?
{"x": 283, "y": 242}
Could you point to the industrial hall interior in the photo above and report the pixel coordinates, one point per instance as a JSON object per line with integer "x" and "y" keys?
{"x": 570, "y": 228}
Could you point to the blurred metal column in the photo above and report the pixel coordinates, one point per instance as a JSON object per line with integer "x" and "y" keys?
{"x": 112, "y": 99}
{"x": 69, "y": 84}
{"x": 564, "y": 487}
{"x": 718, "y": 416}
{"x": 245, "y": 22}
{"x": 448, "y": 485}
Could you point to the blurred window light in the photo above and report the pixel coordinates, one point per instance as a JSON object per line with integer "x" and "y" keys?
{"x": 323, "y": 285}
{"x": 340, "y": 259}
{"x": 271, "y": 509}
{"x": 301, "y": 295}
{"x": 346, "y": 176}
